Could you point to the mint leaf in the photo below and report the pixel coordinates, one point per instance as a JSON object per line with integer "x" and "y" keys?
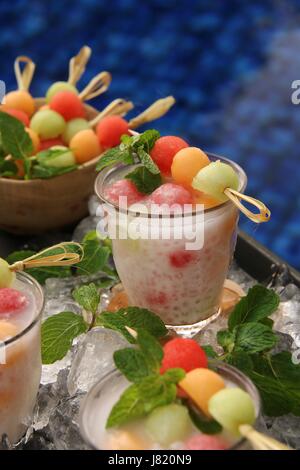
{"x": 132, "y": 363}
{"x": 209, "y": 351}
{"x": 40, "y": 274}
{"x": 114, "y": 156}
{"x": 258, "y": 304}
{"x": 241, "y": 360}
{"x": 45, "y": 172}
{"x": 141, "y": 318}
{"x": 58, "y": 333}
{"x": 88, "y": 297}
{"x": 45, "y": 156}
{"x": 140, "y": 399}
{"x": 254, "y": 337}
{"x": 145, "y": 181}
{"x": 8, "y": 168}
{"x": 147, "y": 161}
{"x": 174, "y": 375}
{"x": 226, "y": 339}
{"x": 14, "y": 139}
{"x": 152, "y": 350}
{"x": 202, "y": 423}
{"x": 147, "y": 139}
{"x": 115, "y": 321}
{"x": 135, "y": 318}
{"x": 129, "y": 407}
{"x": 95, "y": 257}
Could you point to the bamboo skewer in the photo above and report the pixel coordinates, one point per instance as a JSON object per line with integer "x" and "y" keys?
{"x": 98, "y": 85}
{"x": 155, "y": 111}
{"x": 78, "y": 63}
{"x": 65, "y": 258}
{"x": 235, "y": 196}
{"x": 118, "y": 107}
{"x": 260, "y": 441}
{"x": 24, "y": 77}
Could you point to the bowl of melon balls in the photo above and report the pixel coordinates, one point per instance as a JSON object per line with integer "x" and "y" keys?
{"x": 50, "y": 146}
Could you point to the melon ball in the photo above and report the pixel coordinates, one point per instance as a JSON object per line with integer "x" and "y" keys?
{"x": 85, "y": 146}
{"x": 60, "y": 86}
{"x": 48, "y": 124}
{"x": 20, "y": 99}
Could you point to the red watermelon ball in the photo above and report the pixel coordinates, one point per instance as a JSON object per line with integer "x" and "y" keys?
{"x": 164, "y": 150}
{"x": 110, "y": 129}
{"x": 68, "y": 105}
{"x": 18, "y": 114}
{"x": 183, "y": 353}
{"x": 11, "y": 300}
{"x": 48, "y": 143}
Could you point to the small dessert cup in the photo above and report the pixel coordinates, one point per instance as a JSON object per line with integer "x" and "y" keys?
{"x": 20, "y": 364}
{"x": 99, "y": 401}
{"x": 178, "y": 277}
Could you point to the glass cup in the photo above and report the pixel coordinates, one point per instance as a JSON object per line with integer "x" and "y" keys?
{"x": 20, "y": 367}
{"x": 97, "y": 404}
{"x": 180, "y": 281}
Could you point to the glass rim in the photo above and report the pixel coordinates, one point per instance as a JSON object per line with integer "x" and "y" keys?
{"x": 36, "y": 319}
{"x": 99, "y": 183}
{"x": 227, "y": 368}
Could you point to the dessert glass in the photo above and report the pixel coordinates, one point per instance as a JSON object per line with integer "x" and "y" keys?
{"x": 97, "y": 405}
{"x": 182, "y": 285}
{"x": 21, "y": 366}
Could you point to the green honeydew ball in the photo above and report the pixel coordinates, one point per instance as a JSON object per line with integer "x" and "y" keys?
{"x": 214, "y": 178}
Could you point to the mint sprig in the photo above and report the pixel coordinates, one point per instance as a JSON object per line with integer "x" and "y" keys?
{"x": 248, "y": 344}
{"x": 136, "y": 149}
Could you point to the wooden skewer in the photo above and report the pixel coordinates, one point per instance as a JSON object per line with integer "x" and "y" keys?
{"x": 121, "y": 107}
{"x": 260, "y": 441}
{"x": 24, "y": 77}
{"x": 98, "y": 85}
{"x": 155, "y": 111}
{"x": 235, "y": 196}
{"x": 78, "y": 63}
{"x": 65, "y": 258}
{"x": 118, "y": 107}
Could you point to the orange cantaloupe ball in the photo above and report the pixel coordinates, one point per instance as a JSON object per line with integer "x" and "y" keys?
{"x": 34, "y": 139}
{"x": 20, "y": 99}
{"x": 200, "y": 385}
{"x": 85, "y": 146}
{"x": 186, "y": 164}
{"x": 125, "y": 440}
{"x": 7, "y": 330}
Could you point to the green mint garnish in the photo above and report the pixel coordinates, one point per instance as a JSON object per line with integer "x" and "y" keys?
{"x": 14, "y": 139}
{"x": 88, "y": 297}
{"x": 136, "y": 149}
{"x": 145, "y": 181}
{"x": 142, "y": 397}
{"x": 135, "y": 318}
{"x": 248, "y": 346}
{"x": 258, "y": 304}
{"x": 58, "y": 333}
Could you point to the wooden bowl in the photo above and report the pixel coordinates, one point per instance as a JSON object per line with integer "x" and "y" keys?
{"x": 39, "y": 205}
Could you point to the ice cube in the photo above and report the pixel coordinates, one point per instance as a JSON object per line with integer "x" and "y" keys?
{"x": 93, "y": 358}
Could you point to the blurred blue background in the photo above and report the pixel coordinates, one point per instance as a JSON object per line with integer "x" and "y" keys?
{"x": 230, "y": 65}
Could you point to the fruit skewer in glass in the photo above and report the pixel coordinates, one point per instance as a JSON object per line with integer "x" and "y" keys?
{"x": 165, "y": 180}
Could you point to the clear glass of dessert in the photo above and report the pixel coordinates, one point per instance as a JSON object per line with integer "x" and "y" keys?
{"x": 20, "y": 354}
{"x": 179, "y": 280}
{"x": 98, "y": 403}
